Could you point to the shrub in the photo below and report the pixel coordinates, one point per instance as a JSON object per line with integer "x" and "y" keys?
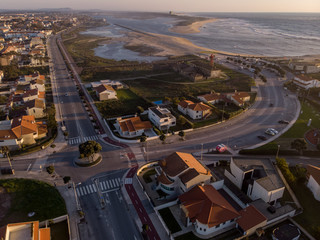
{"x": 66, "y": 179}
{"x": 50, "y": 169}
{"x": 284, "y": 167}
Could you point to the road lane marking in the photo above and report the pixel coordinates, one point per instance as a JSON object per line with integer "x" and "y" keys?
{"x": 91, "y": 189}
{"x": 101, "y": 186}
{"x": 110, "y": 183}
{"x": 107, "y": 184}
{"x": 80, "y": 191}
{"x": 84, "y": 190}
{"x": 88, "y": 189}
{"x": 94, "y": 187}
{"x": 104, "y": 185}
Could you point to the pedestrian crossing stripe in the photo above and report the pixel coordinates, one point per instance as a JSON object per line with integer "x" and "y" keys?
{"x": 77, "y": 140}
{"x": 104, "y": 186}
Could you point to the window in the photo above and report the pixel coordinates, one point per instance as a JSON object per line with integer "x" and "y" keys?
{"x": 204, "y": 229}
{"x": 200, "y": 229}
{"x": 231, "y": 220}
{"x": 167, "y": 188}
{"x": 173, "y": 123}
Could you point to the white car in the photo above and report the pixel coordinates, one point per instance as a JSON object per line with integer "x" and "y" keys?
{"x": 271, "y": 131}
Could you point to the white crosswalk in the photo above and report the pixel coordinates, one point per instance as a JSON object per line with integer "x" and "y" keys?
{"x": 77, "y": 140}
{"x": 106, "y": 185}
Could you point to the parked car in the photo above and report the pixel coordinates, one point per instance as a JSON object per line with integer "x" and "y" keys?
{"x": 271, "y": 131}
{"x": 221, "y": 148}
{"x": 271, "y": 105}
{"x": 283, "y": 121}
{"x": 262, "y": 137}
{"x": 271, "y": 209}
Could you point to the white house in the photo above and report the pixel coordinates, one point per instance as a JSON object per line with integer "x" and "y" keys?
{"x": 179, "y": 172}
{"x": 194, "y": 110}
{"x": 238, "y": 98}
{"x": 209, "y": 212}
{"x": 257, "y": 178}
{"x": 38, "y": 84}
{"x": 306, "y": 82}
{"x": 314, "y": 181}
{"x": 105, "y": 92}
{"x": 35, "y": 108}
{"x": 161, "y": 117}
{"x": 132, "y": 127}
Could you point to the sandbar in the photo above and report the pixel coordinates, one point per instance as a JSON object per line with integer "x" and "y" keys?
{"x": 191, "y": 28}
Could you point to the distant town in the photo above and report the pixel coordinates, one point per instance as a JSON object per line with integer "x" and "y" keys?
{"x": 198, "y": 144}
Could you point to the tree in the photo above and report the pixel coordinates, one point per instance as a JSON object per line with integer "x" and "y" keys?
{"x": 143, "y": 138}
{"x": 89, "y": 148}
{"x": 182, "y": 134}
{"x": 299, "y": 144}
{"x": 162, "y": 137}
{"x": 5, "y": 151}
{"x": 66, "y": 179}
{"x": 181, "y": 120}
{"x": 50, "y": 169}
{"x": 140, "y": 110}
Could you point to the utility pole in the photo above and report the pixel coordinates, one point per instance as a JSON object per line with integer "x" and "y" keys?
{"x": 278, "y": 152}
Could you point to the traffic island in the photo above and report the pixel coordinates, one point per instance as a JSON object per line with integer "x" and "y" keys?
{"x": 88, "y": 162}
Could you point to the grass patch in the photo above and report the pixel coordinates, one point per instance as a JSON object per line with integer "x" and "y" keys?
{"x": 310, "y": 218}
{"x": 300, "y": 127}
{"x": 205, "y": 122}
{"x": 148, "y": 174}
{"x": 125, "y": 105}
{"x": 32, "y": 196}
{"x": 169, "y": 219}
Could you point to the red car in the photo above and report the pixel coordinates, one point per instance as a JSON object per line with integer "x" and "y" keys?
{"x": 221, "y": 148}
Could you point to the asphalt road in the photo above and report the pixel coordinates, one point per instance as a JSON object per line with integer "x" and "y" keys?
{"x": 237, "y": 133}
{"x": 242, "y": 131}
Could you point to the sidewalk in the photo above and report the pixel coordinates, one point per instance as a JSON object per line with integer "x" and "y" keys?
{"x": 144, "y": 212}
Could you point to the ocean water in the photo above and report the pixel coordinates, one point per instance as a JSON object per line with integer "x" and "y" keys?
{"x": 268, "y": 34}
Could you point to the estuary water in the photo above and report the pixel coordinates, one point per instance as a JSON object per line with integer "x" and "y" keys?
{"x": 268, "y": 34}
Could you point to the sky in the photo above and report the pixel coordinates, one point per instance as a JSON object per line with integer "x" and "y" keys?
{"x": 171, "y": 5}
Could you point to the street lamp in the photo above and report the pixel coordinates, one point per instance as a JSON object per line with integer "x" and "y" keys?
{"x": 278, "y": 151}
{"x": 201, "y": 150}
{"x": 76, "y": 196}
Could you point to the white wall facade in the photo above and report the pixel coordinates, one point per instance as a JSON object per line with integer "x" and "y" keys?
{"x": 259, "y": 192}
{"x": 36, "y": 112}
{"x": 204, "y": 229}
{"x": 161, "y": 123}
{"x": 314, "y": 187}
{"x": 183, "y": 110}
{"x": 236, "y": 175}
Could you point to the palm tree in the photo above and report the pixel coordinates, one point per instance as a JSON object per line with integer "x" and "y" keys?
{"x": 5, "y": 150}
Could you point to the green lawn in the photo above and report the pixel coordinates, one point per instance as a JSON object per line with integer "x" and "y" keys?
{"x": 310, "y": 217}
{"x": 32, "y": 196}
{"x": 126, "y": 104}
{"x": 300, "y": 127}
{"x": 169, "y": 219}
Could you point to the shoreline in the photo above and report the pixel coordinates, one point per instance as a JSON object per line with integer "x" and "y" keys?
{"x": 191, "y": 28}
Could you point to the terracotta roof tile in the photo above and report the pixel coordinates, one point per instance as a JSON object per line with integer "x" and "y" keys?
{"x": 199, "y": 107}
{"x": 178, "y": 162}
{"x": 133, "y": 124}
{"x": 314, "y": 172}
{"x": 185, "y": 103}
{"x": 163, "y": 179}
{"x": 211, "y": 97}
{"x": 103, "y": 87}
{"x": 250, "y": 217}
{"x": 207, "y": 205}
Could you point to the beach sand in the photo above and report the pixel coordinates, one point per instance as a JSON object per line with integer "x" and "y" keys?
{"x": 192, "y": 28}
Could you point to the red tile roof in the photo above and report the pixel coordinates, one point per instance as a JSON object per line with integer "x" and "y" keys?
{"x": 178, "y": 162}
{"x": 207, "y": 205}
{"x": 133, "y": 124}
{"x": 199, "y": 107}
{"x": 250, "y": 217}
{"x": 185, "y": 103}
{"x": 314, "y": 172}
